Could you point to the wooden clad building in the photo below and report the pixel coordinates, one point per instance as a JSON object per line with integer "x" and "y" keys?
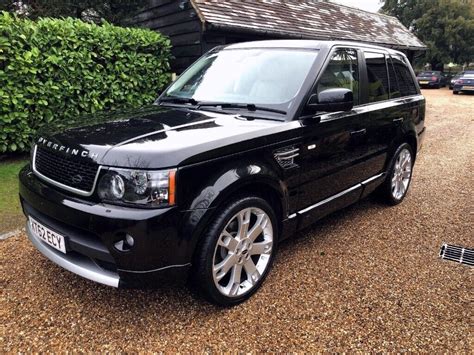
{"x": 196, "y": 26}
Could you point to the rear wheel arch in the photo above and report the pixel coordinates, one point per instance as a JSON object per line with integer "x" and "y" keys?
{"x": 413, "y": 142}
{"x": 408, "y": 137}
{"x": 394, "y": 175}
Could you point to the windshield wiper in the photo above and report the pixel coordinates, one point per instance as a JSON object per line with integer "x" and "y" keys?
{"x": 249, "y": 107}
{"x": 179, "y": 100}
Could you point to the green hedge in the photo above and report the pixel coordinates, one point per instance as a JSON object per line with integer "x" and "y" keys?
{"x": 56, "y": 69}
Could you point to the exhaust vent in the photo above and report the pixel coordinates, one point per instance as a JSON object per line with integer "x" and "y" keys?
{"x": 457, "y": 254}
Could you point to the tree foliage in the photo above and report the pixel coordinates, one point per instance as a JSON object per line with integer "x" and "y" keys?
{"x": 113, "y": 11}
{"x": 445, "y": 26}
{"x": 405, "y": 10}
{"x": 58, "y": 69}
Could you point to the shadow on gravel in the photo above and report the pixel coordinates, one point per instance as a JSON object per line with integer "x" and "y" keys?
{"x": 321, "y": 228}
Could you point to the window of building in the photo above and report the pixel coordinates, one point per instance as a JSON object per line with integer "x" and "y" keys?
{"x": 341, "y": 72}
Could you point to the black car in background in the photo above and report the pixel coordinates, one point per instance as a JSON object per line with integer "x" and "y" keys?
{"x": 458, "y": 76}
{"x": 454, "y": 78}
{"x": 464, "y": 84}
{"x": 432, "y": 79}
{"x": 252, "y": 143}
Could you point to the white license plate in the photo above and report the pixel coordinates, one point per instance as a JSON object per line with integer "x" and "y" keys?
{"x": 54, "y": 239}
{"x": 469, "y": 87}
{"x": 424, "y": 82}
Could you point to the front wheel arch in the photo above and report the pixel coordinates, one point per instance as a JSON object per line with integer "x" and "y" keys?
{"x": 200, "y": 279}
{"x": 197, "y": 220}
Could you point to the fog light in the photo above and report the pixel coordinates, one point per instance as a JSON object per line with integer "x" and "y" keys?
{"x": 126, "y": 243}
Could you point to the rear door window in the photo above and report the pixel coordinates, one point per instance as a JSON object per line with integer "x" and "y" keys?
{"x": 404, "y": 77}
{"x": 377, "y": 75}
{"x": 394, "y": 90}
{"x": 341, "y": 72}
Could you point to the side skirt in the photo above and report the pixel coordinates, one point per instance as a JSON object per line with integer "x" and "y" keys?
{"x": 311, "y": 214}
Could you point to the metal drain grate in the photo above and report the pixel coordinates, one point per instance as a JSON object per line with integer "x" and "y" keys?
{"x": 458, "y": 254}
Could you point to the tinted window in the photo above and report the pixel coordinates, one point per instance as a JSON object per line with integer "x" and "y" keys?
{"x": 341, "y": 72}
{"x": 377, "y": 74}
{"x": 405, "y": 80}
{"x": 394, "y": 90}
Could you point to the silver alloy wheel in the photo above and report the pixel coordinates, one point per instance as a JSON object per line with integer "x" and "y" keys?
{"x": 243, "y": 252}
{"x": 401, "y": 174}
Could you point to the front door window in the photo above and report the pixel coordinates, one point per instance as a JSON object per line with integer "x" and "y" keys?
{"x": 341, "y": 72}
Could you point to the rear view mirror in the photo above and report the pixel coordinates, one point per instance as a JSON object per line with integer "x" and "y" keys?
{"x": 332, "y": 100}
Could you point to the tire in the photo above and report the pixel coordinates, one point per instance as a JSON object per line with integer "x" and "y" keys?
{"x": 395, "y": 187}
{"x": 228, "y": 269}
{"x": 455, "y": 92}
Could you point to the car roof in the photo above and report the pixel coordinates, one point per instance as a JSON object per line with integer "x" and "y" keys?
{"x": 307, "y": 44}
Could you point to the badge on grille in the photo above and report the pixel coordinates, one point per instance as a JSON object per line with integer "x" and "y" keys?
{"x": 76, "y": 179}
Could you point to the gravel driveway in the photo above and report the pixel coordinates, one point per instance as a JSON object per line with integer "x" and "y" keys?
{"x": 365, "y": 278}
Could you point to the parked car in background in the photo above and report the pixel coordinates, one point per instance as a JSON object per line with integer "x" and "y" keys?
{"x": 454, "y": 78}
{"x": 458, "y": 76}
{"x": 464, "y": 84}
{"x": 252, "y": 143}
{"x": 432, "y": 79}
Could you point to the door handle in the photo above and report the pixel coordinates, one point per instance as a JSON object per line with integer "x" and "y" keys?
{"x": 360, "y": 132}
{"x": 398, "y": 120}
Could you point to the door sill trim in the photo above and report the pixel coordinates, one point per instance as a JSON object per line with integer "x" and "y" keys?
{"x": 336, "y": 196}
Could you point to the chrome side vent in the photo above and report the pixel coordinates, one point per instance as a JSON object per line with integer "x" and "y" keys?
{"x": 286, "y": 157}
{"x": 457, "y": 254}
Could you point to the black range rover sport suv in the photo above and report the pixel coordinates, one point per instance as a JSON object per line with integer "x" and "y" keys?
{"x": 252, "y": 143}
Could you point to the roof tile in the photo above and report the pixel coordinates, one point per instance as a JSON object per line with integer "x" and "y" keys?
{"x": 308, "y": 19}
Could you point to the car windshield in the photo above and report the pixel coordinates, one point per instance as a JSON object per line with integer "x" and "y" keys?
{"x": 265, "y": 77}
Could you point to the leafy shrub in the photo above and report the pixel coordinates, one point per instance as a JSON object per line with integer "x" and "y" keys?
{"x": 57, "y": 69}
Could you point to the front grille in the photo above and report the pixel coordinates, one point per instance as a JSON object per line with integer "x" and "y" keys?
{"x": 76, "y": 174}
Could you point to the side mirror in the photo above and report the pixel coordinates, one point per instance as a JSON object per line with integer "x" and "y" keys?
{"x": 332, "y": 100}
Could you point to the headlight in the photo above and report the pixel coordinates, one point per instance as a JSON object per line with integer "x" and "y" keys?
{"x": 139, "y": 187}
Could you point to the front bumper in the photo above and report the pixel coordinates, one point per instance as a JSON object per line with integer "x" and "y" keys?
{"x": 91, "y": 230}
{"x": 77, "y": 263}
